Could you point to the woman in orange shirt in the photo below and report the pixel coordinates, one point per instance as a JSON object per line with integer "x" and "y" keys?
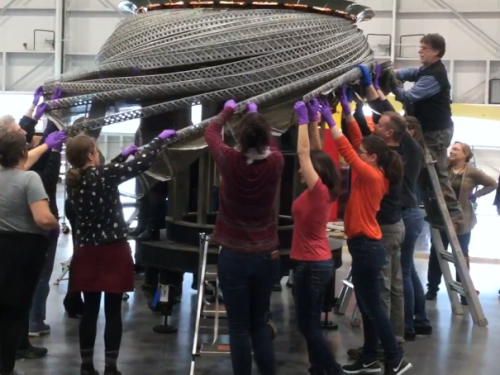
{"x": 375, "y": 165}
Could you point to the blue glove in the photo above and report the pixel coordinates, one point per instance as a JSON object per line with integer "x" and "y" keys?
{"x": 366, "y": 76}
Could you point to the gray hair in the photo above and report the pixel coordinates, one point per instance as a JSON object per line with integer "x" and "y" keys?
{"x": 5, "y": 124}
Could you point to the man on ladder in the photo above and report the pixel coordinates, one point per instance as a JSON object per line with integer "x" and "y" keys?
{"x": 430, "y": 100}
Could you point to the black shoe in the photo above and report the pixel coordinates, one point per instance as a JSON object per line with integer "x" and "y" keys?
{"x": 430, "y": 296}
{"x": 111, "y": 370}
{"x": 403, "y": 367}
{"x": 355, "y": 353}
{"x": 31, "y": 352}
{"x": 463, "y": 301}
{"x": 149, "y": 235}
{"x": 88, "y": 369}
{"x": 410, "y": 336}
{"x": 423, "y": 331}
{"x": 359, "y": 367}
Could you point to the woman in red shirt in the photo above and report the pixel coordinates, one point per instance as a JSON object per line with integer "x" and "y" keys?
{"x": 376, "y": 166}
{"x": 313, "y": 266}
{"x": 246, "y": 229}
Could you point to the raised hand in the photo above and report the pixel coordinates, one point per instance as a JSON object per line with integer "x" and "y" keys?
{"x": 230, "y": 104}
{"x": 57, "y": 94}
{"x": 130, "y": 150}
{"x": 252, "y": 108}
{"x": 313, "y": 109}
{"x": 37, "y": 95}
{"x": 366, "y": 76}
{"x": 55, "y": 140}
{"x": 301, "y": 111}
{"x": 472, "y": 198}
{"x": 166, "y": 134}
{"x": 39, "y": 111}
{"x": 378, "y": 73}
{"x": 326, "y": 112}
{"x": 345, "y": 102}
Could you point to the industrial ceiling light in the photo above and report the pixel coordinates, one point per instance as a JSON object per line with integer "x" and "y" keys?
{"x": 127, "y": 7}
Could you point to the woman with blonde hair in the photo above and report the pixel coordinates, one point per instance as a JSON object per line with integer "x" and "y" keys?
{"x": 465, "y": 178}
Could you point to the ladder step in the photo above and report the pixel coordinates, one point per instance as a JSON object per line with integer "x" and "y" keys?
{"x": 348, "y": 283}
{"x": 209, "y": 311}
{"x": 207, "y": 327}
{"x": 446, "y": 255}
{"x": 214, "y": 350}
{"x": 211, "y": 272}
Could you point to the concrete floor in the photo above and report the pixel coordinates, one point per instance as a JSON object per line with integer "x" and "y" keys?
{"x": 457, "y": 347}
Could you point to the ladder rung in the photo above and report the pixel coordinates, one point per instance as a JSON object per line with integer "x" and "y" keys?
{"x": 457, "y": 287}
{"x": 446, "y": 255}
{"x": 209, "y": 310}
{"x": 211, "y": 273}
{"x": 215, "y": 350}
{"x": 348, "y": 283}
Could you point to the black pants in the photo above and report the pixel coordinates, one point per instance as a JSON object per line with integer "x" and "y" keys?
{"x": 21, "y": 260}
{"x": 88, "y": 324}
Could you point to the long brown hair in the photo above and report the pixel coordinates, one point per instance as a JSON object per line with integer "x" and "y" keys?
{"x": 254, "y": 132}
{"x": 326, "y": 170}
{"x": 77, "y": 151}
{"x": 387, "y": 159}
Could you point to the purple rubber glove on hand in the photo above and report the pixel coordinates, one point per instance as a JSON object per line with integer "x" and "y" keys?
{"x": 326, "y": 112}
{"x": 472, "y": 198}
{"x": 55, "y": 140}
{"x": 39, "y": 111}
{"x": 38, "y": 95}
{"x": 252, "y": 108}
{"x": 378, "y": 73}
{"x": 230, "y": 104}
{"x": 166, "y": 134}
{"x": 313, "y": 109}
{"x": 130, "y": 150}
{"x": 344, "y": 102}
{"x": 301, "y": 111}
{"x": 366, "y": 76}
{"x": 57, "y": 94}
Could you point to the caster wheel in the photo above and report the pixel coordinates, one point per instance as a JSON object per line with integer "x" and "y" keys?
{"x": 272, "y": 329}
{"x": 164, "y": 329}
{"x": 65, "y": 229}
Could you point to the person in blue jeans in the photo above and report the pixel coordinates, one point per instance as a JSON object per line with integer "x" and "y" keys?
{"x": 311, "y": 254}
{"x": 246, "y": 229}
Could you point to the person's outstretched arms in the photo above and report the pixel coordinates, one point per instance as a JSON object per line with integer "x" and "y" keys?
{"x": 353, "y": 129}
{"x": 50, "y": 172}
{"x": 303, "y": 146}
{"x": 213, "y": 134}
{"x": 313, "y": 115}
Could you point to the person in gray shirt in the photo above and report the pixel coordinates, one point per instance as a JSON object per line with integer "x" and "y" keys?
{"x": 25, "y": 218}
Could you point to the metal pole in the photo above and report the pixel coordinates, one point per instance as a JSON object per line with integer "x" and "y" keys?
{"x": 487, "y": 82}
{"x": 58, "y": 43}
{"x": 6, "y": 6}
{"x": 393, "y": 31}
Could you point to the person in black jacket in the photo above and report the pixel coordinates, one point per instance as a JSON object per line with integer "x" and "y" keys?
{"x": 430, "y": 100}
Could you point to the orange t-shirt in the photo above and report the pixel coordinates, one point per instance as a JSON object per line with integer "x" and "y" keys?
{"x": 367, "y": 191}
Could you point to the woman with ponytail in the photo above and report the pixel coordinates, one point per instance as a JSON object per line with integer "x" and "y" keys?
{"x": 376, "y": 167}
{"x": 102, "y": 262}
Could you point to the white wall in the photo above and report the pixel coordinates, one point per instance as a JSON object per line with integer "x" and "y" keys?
{"x": 472, "y": 35}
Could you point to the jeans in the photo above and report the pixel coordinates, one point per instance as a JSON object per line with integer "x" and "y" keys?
{"x": 415, "y": 311}
{"x": 437, "y": 143}
{"x": 393, "y": 292}
{"x": 434, "y": 272}
{"x": 246, "y": 281}
{"x": 368, "y": 258}
{"x": 310, "y": 281}
{"x": 39, "y": 305}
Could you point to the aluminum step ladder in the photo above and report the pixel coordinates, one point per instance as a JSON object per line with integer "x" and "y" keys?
{"x": 455, "y": 256}
{"x": 344, "y": 299}
{"x": 210, "y": 311}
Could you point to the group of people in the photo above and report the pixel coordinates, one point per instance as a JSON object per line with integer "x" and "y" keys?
{"x": 382, "y": 222}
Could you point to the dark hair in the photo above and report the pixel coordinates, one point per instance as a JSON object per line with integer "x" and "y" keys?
{"x": 13, "y": 149}
{"x": 436, "y": 42}
{"x": 413, "y": 124}
{"x": 387, "y": 159}
{"x": 254, "y": 132}
{"x": 325, "y": 168}
{"x": 397, "y": 124}
{"x": 77, "y": 151}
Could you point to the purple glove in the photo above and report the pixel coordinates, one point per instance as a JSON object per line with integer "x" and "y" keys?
{"x": 230, "y": 104}
{"x": 38, "y": 95}
{"x": 472, "y": 198}
{"x": 313, "y": 109}
{"x": 130, "y": 150}
{"x": 366, "y": 76}
{"x": 344, "y": 102}
{"x": 326, "y": 112}
{"x": 55, "y": 140}
{"x": 301, "y": 111}
{"x": 166, "y": 134}
{"x": 251, "y": 108}
{"x": 378, "y": 73}
{"x": 53, "y": 234}
{"x": 39, "y": 111}
{"x": 57, "y": 94}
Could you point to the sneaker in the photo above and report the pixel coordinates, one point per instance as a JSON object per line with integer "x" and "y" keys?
{"x": 41, "y": 330}
{"x": 403, "y": 367}
{"x": 410, "y": 336}
{"x": 360, "y": 367}
{"x": 355, "y": 353}
{"x": 423, "y": 331}
{"x": 32, "y": 352}
{"x": 430, "y": 296}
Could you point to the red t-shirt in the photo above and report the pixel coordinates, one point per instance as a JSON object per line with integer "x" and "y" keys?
{"x": 311, "y": 211}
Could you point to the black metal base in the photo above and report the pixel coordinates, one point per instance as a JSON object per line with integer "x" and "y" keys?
{"x": 165, "y": 328}
{"x": 328, "y": 324}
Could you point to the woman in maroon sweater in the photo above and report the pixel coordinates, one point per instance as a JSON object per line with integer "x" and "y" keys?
{"x": 246, "y": 229}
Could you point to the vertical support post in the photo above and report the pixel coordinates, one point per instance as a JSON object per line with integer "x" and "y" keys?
{"x": 394, "y": 29}
{"x": 203, "y": 188}
{"x": 487, "y": 82}
{"x": 178, "y": 195}
{"x": 451, "y": 75}
{"x": 58, "y": 42}
{"x": 4, "y": 71}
